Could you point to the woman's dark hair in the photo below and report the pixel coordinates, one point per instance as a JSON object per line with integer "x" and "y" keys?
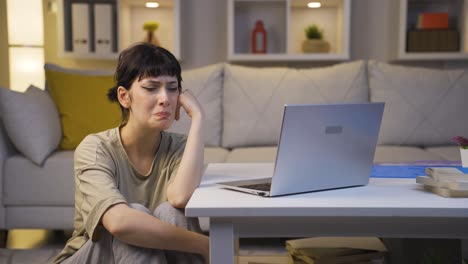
{"x": 140, "y": 61}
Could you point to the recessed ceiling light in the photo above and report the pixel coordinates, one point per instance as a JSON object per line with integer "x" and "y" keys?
{"x": 314, "y": 4}
{"x": 152, "y": 4}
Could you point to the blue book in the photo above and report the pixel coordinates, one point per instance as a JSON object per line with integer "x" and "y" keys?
{"x": 411, "y": 170}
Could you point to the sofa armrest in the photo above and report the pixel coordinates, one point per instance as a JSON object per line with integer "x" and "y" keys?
{"x": 6, "y": 146}
{"x": 6, "y": 150}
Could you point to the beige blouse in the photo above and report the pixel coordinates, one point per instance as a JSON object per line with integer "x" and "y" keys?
{"x": 104, "y": 176}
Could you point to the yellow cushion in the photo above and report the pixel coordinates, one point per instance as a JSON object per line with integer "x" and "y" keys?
{"x": 82, "y": 104}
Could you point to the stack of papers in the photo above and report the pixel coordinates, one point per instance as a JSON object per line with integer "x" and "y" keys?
{"x": 445, "y": 181}
{"x": 336, "y": 250}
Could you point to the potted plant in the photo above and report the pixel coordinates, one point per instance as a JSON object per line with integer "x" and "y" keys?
{"x": 150, "y": 27}
{"x": 463, "y": 143}
{"x": 314, "y": 41}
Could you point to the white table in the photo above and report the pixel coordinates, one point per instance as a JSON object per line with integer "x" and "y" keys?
{"x": 384, "y": 208}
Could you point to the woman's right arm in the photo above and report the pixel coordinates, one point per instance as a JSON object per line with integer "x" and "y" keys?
{"x": 141, "y": 229}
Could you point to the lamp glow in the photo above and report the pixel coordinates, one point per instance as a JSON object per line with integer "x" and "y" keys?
{"x": 314, "y": 5}
{"x": 25, "y": 22}
{"x": 25, "y": 43}
{"x": 152, "y": 4}
{"x": 26, "y": 67}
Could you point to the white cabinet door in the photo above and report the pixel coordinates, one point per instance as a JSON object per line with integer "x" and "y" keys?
{"x": 103, "y": 28}
{"x": 80, "y": 28}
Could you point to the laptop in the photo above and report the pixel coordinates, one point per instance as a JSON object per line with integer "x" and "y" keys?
{"x": 321, "y": 147}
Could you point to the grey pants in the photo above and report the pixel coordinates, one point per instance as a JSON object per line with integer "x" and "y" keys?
{"x": 111, "y": 250}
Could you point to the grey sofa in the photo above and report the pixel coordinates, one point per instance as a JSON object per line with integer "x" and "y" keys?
{"x": 424, "y": 108}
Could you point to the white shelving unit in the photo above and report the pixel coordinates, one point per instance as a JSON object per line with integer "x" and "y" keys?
{"x": 100, "y": 29}
{"x": 285, "y": 21}
{"x": 408, "y": 11}
{"x": 87, "y": 29}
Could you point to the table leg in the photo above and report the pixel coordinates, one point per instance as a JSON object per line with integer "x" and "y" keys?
{"x": 222, "y": 243}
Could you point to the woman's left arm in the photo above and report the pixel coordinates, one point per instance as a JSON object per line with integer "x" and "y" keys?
{"x": 190, "y": 169}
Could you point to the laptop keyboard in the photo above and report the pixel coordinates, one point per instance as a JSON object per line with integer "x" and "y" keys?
{"x": 261, "y": 186}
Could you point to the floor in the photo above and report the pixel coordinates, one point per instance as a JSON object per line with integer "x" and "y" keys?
{"x": 32, "y": 246}
{"x": 41, "y": 246}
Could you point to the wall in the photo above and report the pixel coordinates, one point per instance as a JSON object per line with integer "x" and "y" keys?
{"x": 373, "y": 35}
{"x": 204, "y": 37}
{"x": 203, "y": 32}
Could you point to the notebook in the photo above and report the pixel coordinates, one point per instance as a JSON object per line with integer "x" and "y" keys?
{"x": 321, "y": 147}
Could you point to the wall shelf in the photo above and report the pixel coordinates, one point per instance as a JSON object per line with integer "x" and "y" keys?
{"x": 100, "y": 29}
{"x": 133, "y": 14}
{"x": 88, "y": 29}
{"x": 285, "y": 21}
{"x": 408, "y": 12}
{"x": 289, "y": 57}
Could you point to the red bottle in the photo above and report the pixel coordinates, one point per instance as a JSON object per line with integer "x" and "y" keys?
{"x": 259, "y": 40}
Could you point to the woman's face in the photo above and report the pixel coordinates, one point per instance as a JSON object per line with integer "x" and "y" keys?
{"x": 154, "y": 101}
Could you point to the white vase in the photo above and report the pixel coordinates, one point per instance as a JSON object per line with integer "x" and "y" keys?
{"x": 464, "y": 157}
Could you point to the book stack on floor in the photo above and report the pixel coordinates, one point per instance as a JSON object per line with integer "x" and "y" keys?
{"x": 261, "y": 251}
{"x": 445, "y": 181}
{"x": 336, "y": 250}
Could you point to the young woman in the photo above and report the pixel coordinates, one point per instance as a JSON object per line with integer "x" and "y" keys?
{"x": 132, "y": 181}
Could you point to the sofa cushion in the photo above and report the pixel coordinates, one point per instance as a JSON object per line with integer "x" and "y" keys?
{"x": 206, "y": 84}
{"x": 82, "y": 103}
{"x": 382, "y": 154}
{"x": 31, "y": 121}
{"x": 254, "y": 97}
{"x": 446, "y": 152}
{"x": 25, "y": 183}
{"x": 403, "y": 154}
{"x": 256, "y": 154}
{"x": 423, "y": 107}
{"x": 215, "y": 155}
{"x": 55, "y": 67}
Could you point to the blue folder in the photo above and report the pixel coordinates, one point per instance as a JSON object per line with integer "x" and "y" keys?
{"x": 405, "y": 170}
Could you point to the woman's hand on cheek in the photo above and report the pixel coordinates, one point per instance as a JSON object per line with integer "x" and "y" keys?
{"x": 190, "y": 105}
{"x": 177, "y": 111}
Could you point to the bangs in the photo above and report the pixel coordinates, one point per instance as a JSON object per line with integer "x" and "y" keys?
{"x": 143, "y": 61}
{"x": 156, "y": 68}
{"x": 156, "y": 65}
